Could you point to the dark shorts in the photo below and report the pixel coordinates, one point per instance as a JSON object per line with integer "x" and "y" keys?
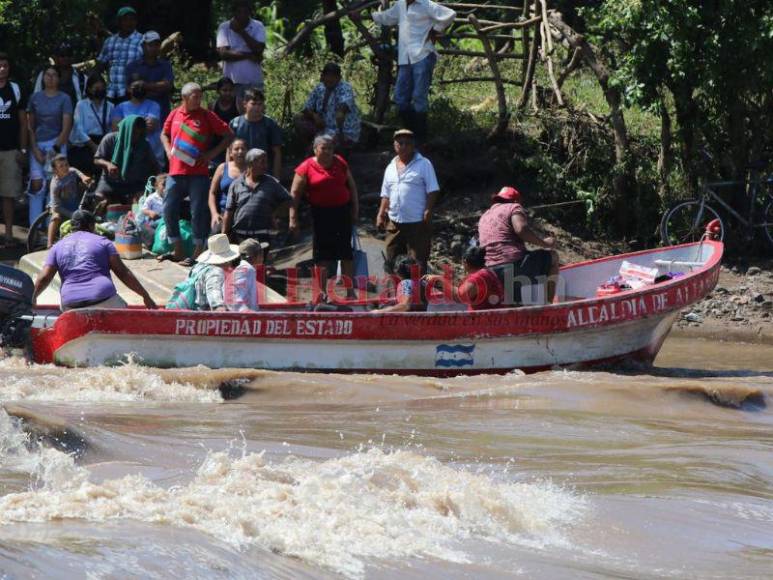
{"x": 332, "y": 233}
{"x": 529, "y": 269}
{"x": 123, "y": 193}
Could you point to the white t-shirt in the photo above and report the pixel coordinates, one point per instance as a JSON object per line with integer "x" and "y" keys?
{"x": 415, "y": 22}
{"x": 244, "y": 72}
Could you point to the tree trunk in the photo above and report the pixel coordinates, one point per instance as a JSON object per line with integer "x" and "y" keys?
{"x": 333, "y": 33}
{"x": 665, "y": 156}
{"x": 623, "y": 180}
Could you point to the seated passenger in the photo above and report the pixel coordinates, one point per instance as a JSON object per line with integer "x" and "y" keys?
{"x": 481, "y": 289}
{"x": 241, "y": 288}
{"x": 84, "y": 261}
{"x": 411, "y": 292}
{"x": 151, "y": 211}
{"x": 209, "y": 272}
{"x": 67, "y": 186}
{"x": 126, "y": 160}
{"x": 503, "y": 230}
{"x": 331, "y": 110}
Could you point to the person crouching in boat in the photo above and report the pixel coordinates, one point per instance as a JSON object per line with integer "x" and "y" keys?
{"x": 411, "y": 291}
{"x": 84, "y": 261}
{"x": 504, "y": 231}
{"x": 481, "y": 289}
{"x": 210, "y": 272}
{"x": 240, "y": 291}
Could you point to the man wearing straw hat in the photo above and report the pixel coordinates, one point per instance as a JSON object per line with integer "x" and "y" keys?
{"x": 209, "y": 272}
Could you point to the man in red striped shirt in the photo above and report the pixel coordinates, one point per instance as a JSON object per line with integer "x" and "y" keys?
{"x": 187, "y": 139}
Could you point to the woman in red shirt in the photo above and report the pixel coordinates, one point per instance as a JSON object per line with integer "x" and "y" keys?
{"x": 326, "y": 182}
{"x": 481, "y": 289}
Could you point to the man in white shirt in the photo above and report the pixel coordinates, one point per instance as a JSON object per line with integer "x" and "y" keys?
{"x": 408, "y": 194}
{"x": 240, "y": 43}
{"x": 420, "y": 23}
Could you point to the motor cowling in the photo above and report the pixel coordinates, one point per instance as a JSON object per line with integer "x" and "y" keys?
{"x": 16, "y": 291}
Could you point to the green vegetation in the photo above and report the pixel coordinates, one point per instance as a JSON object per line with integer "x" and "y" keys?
{"x": 692, "y": 76}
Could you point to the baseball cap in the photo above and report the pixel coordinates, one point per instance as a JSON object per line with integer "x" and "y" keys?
{"x": 508, "y": 194}
{"x": 252, "y": 248}
{"x": 151, "y": 36}
{"x": 124, "y": 11}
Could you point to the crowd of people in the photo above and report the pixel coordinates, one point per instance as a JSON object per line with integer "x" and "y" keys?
{"x": 225, "y": 161}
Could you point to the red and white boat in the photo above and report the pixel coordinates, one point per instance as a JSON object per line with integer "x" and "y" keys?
{"x": 582, "y": 331}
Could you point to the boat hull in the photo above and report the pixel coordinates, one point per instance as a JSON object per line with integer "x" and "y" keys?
{"x": 630, "y": 326}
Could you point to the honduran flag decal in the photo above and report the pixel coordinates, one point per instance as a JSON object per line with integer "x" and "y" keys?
{"x": 454, "y": 355}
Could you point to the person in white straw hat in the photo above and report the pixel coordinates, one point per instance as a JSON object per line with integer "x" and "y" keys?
{"x": 210, "y": 274}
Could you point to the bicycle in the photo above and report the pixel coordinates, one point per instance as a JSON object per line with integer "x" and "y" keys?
{"x": 685, "y": 222}
{"x": 37, "y": 236}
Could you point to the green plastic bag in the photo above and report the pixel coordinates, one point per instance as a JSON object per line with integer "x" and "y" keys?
{"x": 162, "y": 246}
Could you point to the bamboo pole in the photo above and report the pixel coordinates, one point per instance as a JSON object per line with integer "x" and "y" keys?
{"x": 519, "y": 24}
{"x": 530, "y": 67}
{"x": 492, "y": 56}
{"x": 477, "y": 80}
{"x": 310, "y": 25}
{"x": 464, "y": 5}
{"x": 456, "y": 52}
{"x": 544, "y": 28}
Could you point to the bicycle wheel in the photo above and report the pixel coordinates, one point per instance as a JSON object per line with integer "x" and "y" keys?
{"x": 37, "y": 237}
{"x": 686, "y": 222}
{"x": 767, "y": 217}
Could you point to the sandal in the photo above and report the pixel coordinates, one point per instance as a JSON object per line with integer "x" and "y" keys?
{"x": 187, "y": 262}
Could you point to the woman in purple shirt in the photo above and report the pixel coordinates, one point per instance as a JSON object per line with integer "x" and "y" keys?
{"x": 84, "y": 261}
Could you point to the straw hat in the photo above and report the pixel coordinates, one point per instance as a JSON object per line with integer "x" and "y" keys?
{"x": 219, "y": 252}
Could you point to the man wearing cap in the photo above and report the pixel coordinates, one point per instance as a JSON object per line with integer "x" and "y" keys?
{"x": 71, "y": 82}
{"x": 504, "y": 231}
{"x": 408, "y": 194}
{"x": 241, "y": 287}
{"x": 420, "y": 23}
{"x": 331, "y": 110}
{"x": 209, "y": 272}
{"x": 155, "y": 71}
{"x": 84, "y": 261}
{"x": 252, "y": 200}
{"x": 119, "y": 50}
{"x": 240, "y": 44}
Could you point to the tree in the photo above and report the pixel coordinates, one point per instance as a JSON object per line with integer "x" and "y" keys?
{"x": 708, "y": 63}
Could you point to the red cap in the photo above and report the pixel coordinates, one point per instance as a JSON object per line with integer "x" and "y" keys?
{"x": 508, "y": 194}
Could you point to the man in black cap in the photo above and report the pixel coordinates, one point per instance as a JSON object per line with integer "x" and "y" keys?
{"x": 71, "y": 82}
{"x": 84, "y": 261}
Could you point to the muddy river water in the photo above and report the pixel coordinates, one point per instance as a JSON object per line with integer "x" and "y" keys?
{"x": 140, "y": 473}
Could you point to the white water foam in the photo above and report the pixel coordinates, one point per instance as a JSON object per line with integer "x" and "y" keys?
{"x": 336, "y": 514}
{"x": 20, "y": 454}
{"x": 126, "y": 383}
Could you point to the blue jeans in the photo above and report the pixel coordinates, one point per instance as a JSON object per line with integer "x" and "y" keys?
{"x": 412, "y": 85}
{"x": 197, "y": 188}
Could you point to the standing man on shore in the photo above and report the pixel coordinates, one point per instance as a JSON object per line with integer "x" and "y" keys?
{"x": 155, "y": 71}
{"x": 187, "y": 137}
{"x": 420, "y": 23}
{"x": 408, "y": 194}
{"x": 119, "y": 50}
{"x": 13, "y": 143}
{"x": 240, "y": 44}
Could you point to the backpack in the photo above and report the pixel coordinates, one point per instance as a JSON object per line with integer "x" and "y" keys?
{"x": 184, "y": 294}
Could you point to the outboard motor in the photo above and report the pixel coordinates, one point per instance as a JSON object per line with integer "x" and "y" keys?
{"x": 16, "y": 291}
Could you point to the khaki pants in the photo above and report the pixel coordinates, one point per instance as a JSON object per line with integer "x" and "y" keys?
{"x": 413, "y": 239}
